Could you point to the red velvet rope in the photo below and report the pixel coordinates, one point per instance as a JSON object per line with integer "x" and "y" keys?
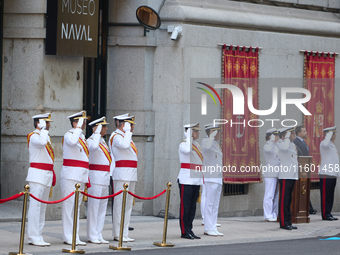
{"x": 113, "y": 195}
{"x": 11, "y": 198}
{"x": 147, "y": 198}
{"x": 52, "y": 202}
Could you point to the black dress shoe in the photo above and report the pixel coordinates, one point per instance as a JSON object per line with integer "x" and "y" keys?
{"x": 293, "y": 227}
{"x": 194, "y": 236}
{"x": 187, "y": 236}
{"x": 131, "y": 228}
{"x": 328, "y": 218}
{"x": 287, "y": 227}
{"x": 312, "y": 212}
{"x": 335, "y": 218}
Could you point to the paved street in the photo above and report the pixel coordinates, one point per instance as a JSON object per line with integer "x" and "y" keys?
{"x": 237, "y": 230}
{"x": 299, "y": 246}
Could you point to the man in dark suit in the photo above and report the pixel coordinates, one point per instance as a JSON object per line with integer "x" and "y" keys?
{"x": 303, "y": 150}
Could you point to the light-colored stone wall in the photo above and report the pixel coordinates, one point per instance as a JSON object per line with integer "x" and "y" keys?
{"x": 196, "y": 55}
{"x": 149, "y": 76}
{"x": 33, "y": 83}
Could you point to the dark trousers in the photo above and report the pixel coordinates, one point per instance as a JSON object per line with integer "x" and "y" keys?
{"x": 189, "y": 195}
{"x": 327, "y": 186}
{"x": 286, "y": 190}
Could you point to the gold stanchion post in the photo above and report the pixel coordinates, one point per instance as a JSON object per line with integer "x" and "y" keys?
{"x": 23, "y": 222}
{"x": 165, "y": 229}
{"x": 120, "y": 245}
{"x": 75, "y": 222}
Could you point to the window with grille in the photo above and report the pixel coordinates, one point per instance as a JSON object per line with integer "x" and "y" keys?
{"x": 314, "y": 185}
{"x": 235, "y": 189}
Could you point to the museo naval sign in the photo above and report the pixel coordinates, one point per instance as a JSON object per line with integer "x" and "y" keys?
{"x": 72, "y": 27}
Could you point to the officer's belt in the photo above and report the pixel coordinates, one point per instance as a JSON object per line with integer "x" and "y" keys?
{"x": 191, "y": 166}
{"x": 126, "y": 163}
{"x": 96, "y": 167}
{"x": 76, "y": 163}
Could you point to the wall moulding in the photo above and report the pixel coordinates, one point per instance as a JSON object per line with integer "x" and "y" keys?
{"x": 254, "y": 17}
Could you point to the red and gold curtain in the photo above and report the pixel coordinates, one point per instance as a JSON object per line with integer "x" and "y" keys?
{"x": 319, "y": 80}
{"x": 240, "y": 142}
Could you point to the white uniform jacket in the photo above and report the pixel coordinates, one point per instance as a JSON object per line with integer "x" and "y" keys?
{"x": 125, "y": 154}
{"x": 329, "y": 157}
{"x": 190, "y": 156}
{"x": 288, "y": 158}
{"x": 75, "y": 156}
{"x": 100, "y": 160}
{"x": 38, "y": 153}
{"x": 212, "y": 160}
{"x": 271, "y": 154}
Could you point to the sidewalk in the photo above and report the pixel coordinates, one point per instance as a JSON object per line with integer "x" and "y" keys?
{"x": 149, "y": 229}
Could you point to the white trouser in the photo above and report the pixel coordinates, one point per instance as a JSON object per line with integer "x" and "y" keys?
{"x": 202, "y": 200}
{"x": 212, "y": 202}
{"x": 96, "y": 210}
{"x": 67, "y": 186}
{"x": 36, "y": 212}
{"x": 271, "y": 198}
{"x": 117, "y": 208}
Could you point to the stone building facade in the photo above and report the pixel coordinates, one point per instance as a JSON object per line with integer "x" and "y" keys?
{"x": 149, "y": 76}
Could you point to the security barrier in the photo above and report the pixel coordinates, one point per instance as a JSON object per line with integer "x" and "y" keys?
{"x": 75, "y": 218}
{"x": 23, "y": 221}
{"x": 165, "y": 229}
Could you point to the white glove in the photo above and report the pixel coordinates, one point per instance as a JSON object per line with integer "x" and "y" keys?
{"x": 127, "y": 127}
{"x": 80, "y": 123}
{"x": 188, "y": 133}
{"x": 213, "y": 134}
{"x": 329, "y": 135}
{"x": 287, "y": 135}
{"x": 98, "y": 129}
{"x": 272, "y": 138}
{"x": 42, "y": 124}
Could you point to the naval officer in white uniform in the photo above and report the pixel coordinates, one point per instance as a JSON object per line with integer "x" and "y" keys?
{"x": 99, "y": 174}
{"x": 74, "y": 170}
{"x": 287, "y": 176}
{"x": 189, "y": 179}
{"x": 40, "y": 176}
{"x": 328, "y": 172}
{"x": 125, "y": 155}
{"x": 270, "y": 175}
{"x": 212, "y": 172}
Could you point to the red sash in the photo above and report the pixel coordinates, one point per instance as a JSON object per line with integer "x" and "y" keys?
{"x": 191, "y": 166}
{"x": 126, "y": 163}
{"x": 96, "y": 167}
{"x": 46, "y": 167}
{"x": 76, "y": 163}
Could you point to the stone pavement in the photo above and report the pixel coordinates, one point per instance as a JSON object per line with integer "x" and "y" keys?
{"x": 149, "y": 229}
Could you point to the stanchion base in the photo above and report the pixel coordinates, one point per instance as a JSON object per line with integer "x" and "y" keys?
{"x": 16, "y": 253}
{"x": 123, "y": 248}
{"x": 73, "y": 251}
{"x": 160, "y": 244}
